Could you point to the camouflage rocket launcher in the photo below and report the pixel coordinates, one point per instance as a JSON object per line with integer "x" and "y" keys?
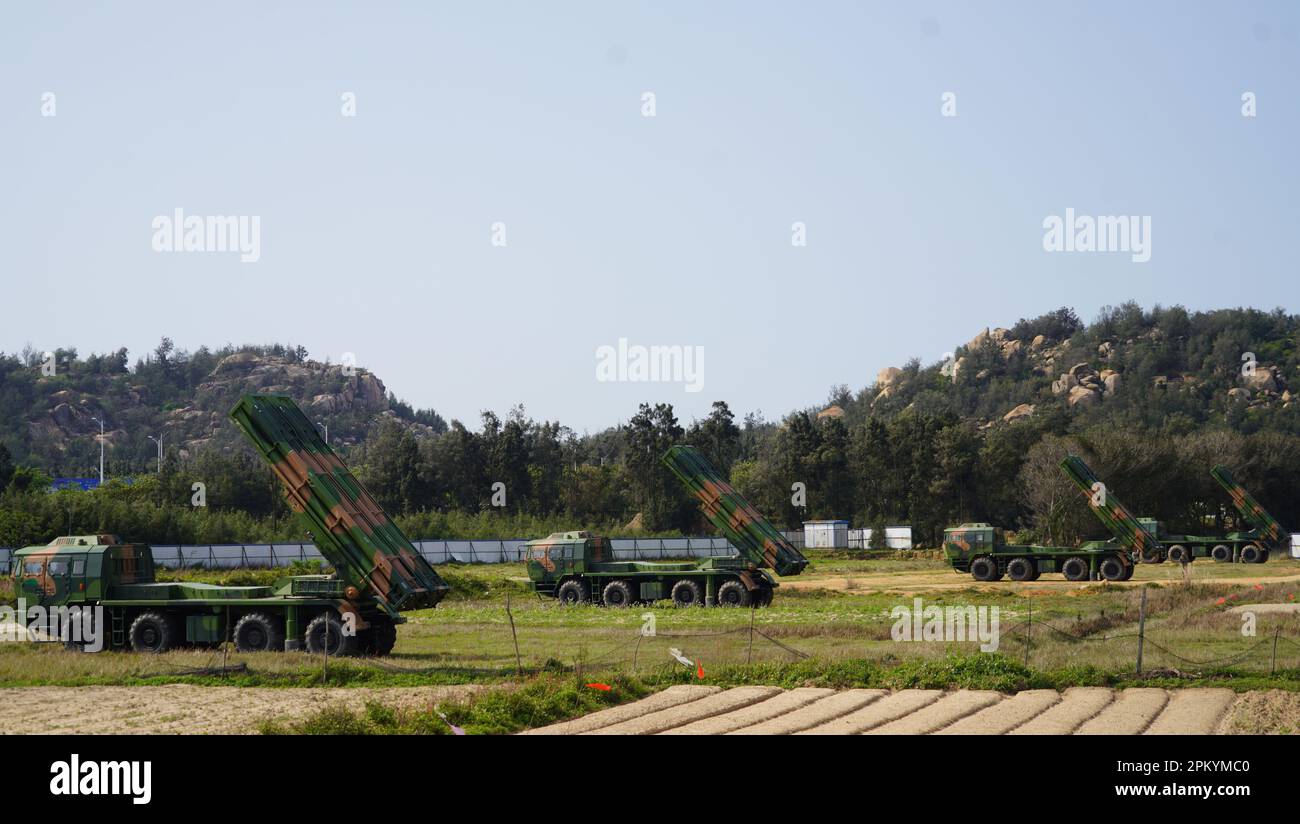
{"x": 1267, "y": 533}
{"x": 1151, "y": 545}
{"x": 95, "y": 592}
{"x": 743, "y": 526}
{"x": 372, "y": 558}
{"x": 1252, "y": 546}
{"x": 578, "y": 568}
{"x": 982, "y": 550}
{"x": 1128, "y": 531}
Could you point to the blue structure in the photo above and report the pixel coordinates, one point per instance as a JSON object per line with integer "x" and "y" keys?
{"x": 84, "y": 484}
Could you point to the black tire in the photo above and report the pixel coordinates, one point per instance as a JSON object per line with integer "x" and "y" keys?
{"x": 153, "y": 632}
{"x": 687, "y": 593}
{"x": 1075, "y": 569}
{"x": 617, "y": 594}
{"x": 1022, "y": 569}
{"x": 381, "y": 637}
{"x": 1112, "y": 568}
{"x": 328, "y": 626}
{"x": 1179, "y": 554}
{"x": 1129, "y": 569}
{"x": 1221, "y": 553}
{"x": 763, "y": 596}
{"x": 1263, "y": 556}
{"x": 1250, "y": 554}
{"x": 259, "y": 632}
{"x": 985, "y": 568}
{"x": 733, "y": 594}
{"x": 572, "y": 593}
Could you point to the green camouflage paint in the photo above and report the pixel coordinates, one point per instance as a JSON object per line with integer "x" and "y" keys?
{"x": 349, "y": 528}
{"x": 748, "y": 531}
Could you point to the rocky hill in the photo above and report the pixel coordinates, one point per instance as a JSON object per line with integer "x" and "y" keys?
{"x": 1226, "y": 366}
{"x": 50, "y": 420}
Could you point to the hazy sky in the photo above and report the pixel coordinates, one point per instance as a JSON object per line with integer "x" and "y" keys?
{"x": 376, "y": 230}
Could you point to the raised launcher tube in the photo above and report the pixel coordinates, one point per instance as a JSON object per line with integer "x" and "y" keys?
{"x": 748, "y": 531}
{"x": 1123, "y": 526}
{"x": 1267, "y": 529}
{"x": 366, "y": 548}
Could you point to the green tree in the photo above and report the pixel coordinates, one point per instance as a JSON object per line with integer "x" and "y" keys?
{"x": 656, "y": 491}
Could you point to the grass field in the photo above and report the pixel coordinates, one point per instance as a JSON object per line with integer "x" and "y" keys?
{"x": 828, "y": 627}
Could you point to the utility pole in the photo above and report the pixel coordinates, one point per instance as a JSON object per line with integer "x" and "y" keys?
{"x": 327, "y": 431}
{"x": 101, "y": 448}
{"x": 158, "y": 440}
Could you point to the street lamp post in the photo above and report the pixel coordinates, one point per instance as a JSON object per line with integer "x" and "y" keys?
{"x": 327, "y": 431}
{"x": 158, "y": 440}
{"x": 101, "y": 448}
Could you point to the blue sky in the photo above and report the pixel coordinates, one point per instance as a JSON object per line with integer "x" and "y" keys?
{"x": 665, "y": 230}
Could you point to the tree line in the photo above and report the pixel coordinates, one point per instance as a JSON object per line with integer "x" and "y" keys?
{"x": 930, "y": 452}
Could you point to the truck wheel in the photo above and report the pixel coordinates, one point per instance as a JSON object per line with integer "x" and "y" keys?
{"x": 1112, "y": 569}
{"x": 1250, "y": 554}
{"x": 1021, "y": 569}
{"x": 381, "y": 637}
{"x": 617, "y": 594}
{"x": 153, "y": 632}
{"x": 688, "y": 593}
{"x": 733, "y": 594}
{"x": 1075, "y": 569}
{"x": 985, "y": 569}
{"x": 259, "y": 632}
{"x": 1221, "y": 553}
{"x": 763, "y": 596}
{"x": 328, "y": 628}
{"x": 572, "y": 593}
{"x": 1179, "y": 554}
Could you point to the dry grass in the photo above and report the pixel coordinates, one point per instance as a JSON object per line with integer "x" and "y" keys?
{"x": 1270, "y": 711}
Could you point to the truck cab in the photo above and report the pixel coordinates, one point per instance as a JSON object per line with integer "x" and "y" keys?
{"x": 549, "y": 560}
{"x": 77, "y": 569}
{"x": 968, "y": 541}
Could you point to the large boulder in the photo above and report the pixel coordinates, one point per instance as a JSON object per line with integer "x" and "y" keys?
{"x": 957, "y": 367}
{"x": 887, "y": 375}
{"x": 1083, "y": 395}
{"x": 1082, "y": 371}
{"x": 1024, "y": 410}
{"x": 1264, "y": 379}
{"x": 1064, "y": 384}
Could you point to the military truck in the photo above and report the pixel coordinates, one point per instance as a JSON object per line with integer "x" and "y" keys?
{"x": 1251, "y": 547}
{"x": 982, "y": 550}
{"x": 378, "y": 573}
{"x": 579, "y": 567}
